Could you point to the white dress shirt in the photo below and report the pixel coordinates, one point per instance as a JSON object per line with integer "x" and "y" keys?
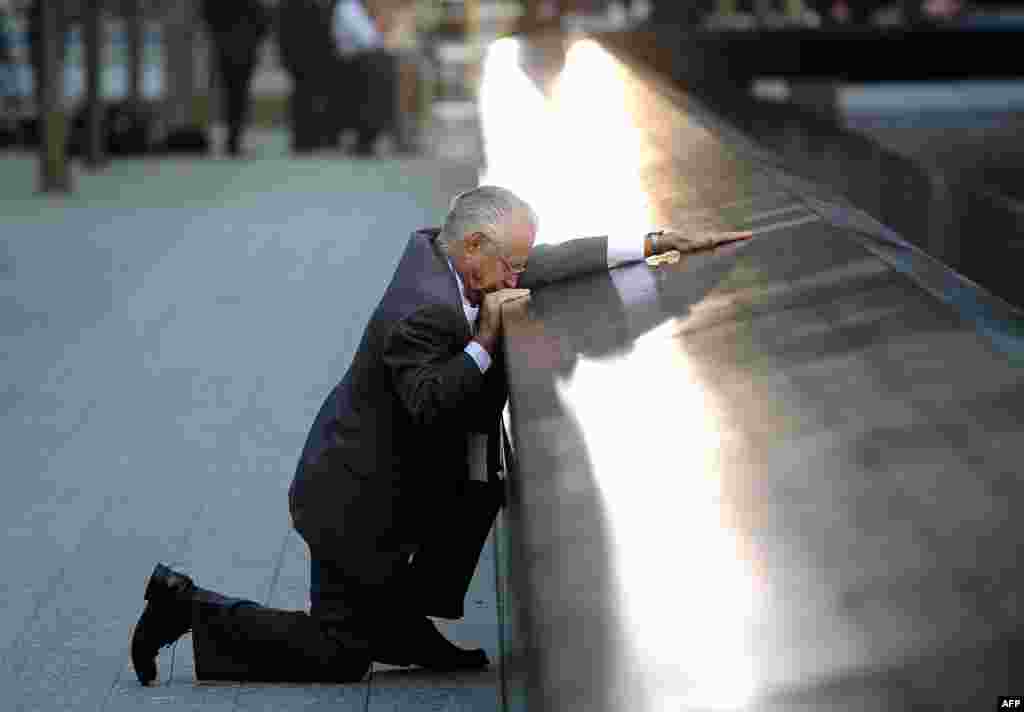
{"x": 354, "y": 30}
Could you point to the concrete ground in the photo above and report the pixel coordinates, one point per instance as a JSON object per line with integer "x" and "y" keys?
{"x": 167, "y": 334}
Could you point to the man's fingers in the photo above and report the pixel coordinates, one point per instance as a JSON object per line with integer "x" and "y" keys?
{"x": 507, "y": 295}
{"x": 721, "y": 237}
{"x": 704, "y": 241}
{"x": 514, "y": 299}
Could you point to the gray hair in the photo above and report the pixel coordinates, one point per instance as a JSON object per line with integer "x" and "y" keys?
{"x": 485, "y": 209}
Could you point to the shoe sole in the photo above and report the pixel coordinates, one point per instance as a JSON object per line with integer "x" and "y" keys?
{"x": 151, "y": 593}
{"x": 146, "y": 669}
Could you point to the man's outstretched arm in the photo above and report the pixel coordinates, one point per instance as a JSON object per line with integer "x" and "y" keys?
{"x": 573, "y": 258}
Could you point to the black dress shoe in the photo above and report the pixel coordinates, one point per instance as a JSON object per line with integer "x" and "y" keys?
{"x": 166, "y": 617}
{"x": 417, "y": 641}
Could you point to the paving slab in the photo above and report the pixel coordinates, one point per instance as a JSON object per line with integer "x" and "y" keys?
{"x": 168, "y": 333}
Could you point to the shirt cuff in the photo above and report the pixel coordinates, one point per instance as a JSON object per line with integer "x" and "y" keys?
{"x": 479, "y": 354}
{"x": 621, "y": 251}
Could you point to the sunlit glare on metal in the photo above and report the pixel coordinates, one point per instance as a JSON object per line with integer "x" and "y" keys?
{"x": 685, "y": 587}
{"x": 574, "y": 156}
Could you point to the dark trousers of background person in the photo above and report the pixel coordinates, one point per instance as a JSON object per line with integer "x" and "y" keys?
{"x": 367, "y": 99}
{"x": 237, "y": 29}
{"x": 309, "y": 110}
{"x": 235, "y": 69}
{"x": 672, "y": 13}
{"x": 306, "y": 48}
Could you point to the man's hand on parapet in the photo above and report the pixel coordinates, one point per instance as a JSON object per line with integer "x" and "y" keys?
{"x": 489, "y": 326}
{"x": 669, "y": 240}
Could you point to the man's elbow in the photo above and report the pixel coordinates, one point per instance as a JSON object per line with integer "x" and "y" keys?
{"x": 425, "y": 405}
{"x": 422, "y": 412}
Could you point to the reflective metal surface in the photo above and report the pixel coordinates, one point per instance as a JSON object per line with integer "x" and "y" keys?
{"x": 777, "y": 476}
{"x": 943, "y": 181}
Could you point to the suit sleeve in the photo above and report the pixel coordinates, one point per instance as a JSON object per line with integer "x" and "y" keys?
{"x": 493, "y": 395}
{"x": 574, "y": 258}
{"x": 434, "y": 378}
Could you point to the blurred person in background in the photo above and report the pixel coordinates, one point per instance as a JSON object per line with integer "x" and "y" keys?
{"x": 915, "y": 13}
{"x": 237, "y": 28}
{"x": 841, "y": 12}
{"x": 397, "y": 22}
{"x": 308, "y": 54}
{"x": 377, "y": 87}
{"x": 942, "y": 11}
{"x": 364, "y": 96}
{"x": 672, "y": 13}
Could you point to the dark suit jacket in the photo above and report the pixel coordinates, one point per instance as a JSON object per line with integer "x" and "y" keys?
{"x": 388, "y": 447}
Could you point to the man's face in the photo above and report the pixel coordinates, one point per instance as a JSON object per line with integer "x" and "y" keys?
{"x": 489, "y": 267}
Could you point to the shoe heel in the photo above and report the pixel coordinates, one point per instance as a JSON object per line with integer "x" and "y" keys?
{"x": 159, "y": 571}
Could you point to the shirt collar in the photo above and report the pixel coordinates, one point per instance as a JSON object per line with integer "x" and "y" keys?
{"x": 470, "y": 310}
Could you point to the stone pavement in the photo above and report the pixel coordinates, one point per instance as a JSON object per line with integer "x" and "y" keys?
{"x": 167, "y": 334}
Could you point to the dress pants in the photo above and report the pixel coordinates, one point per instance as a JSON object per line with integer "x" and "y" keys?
{"x": 240, "y": 640}
{"x": 360, "y": 610}
{"x": 354, "y": 617}
{"x": 367, "y": 595}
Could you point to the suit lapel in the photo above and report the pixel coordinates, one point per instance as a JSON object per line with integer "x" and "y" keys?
{"x": 441, "y": 264}
{"x": 497, "y": 450}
